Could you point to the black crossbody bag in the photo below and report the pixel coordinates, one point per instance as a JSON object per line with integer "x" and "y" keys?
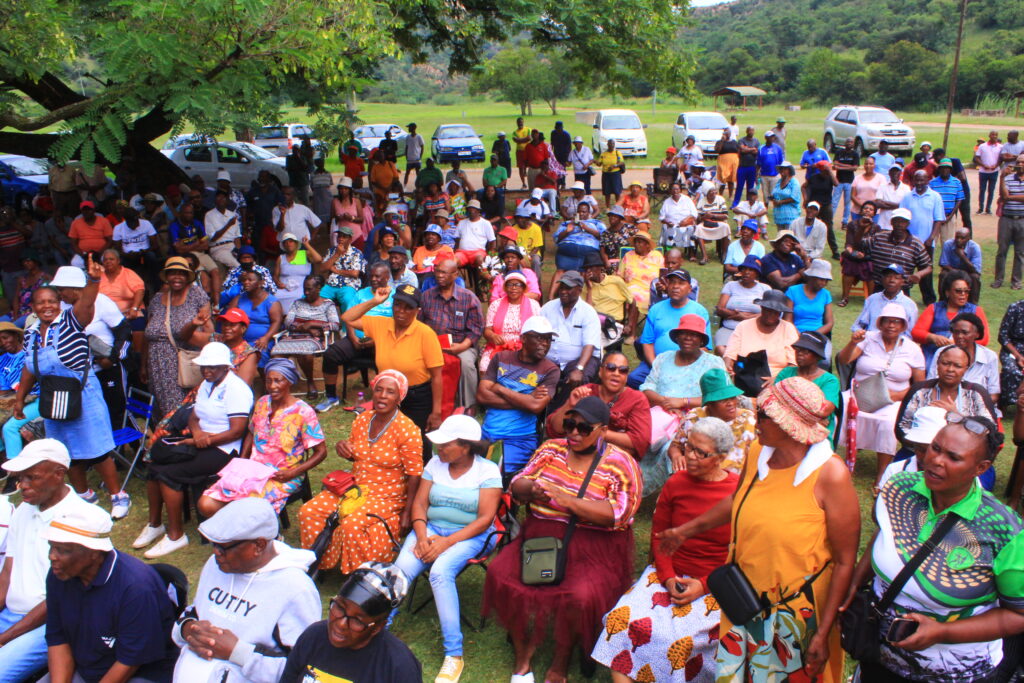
{"x": 859, "y": 623}
{"x": 60, "y": 398}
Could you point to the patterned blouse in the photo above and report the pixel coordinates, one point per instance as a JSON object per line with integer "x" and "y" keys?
{"x": 744, "y": 435}
{"x": 351, "y": 260}
{"x": 617, "y": 480}
{"x": 612, "y": 241}
{"x": 325, "y": 312}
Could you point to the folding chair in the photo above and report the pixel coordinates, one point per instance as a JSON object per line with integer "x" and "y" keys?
{"x": 303, "y": 493}
{"x": 139, "y": 408}
{"x": 497, "y": 539}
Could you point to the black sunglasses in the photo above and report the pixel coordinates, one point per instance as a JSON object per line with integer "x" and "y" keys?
{"x": 582, "y": 428}
{"x": 226, "y": 547}
{"x": 612, "y": 367}
{"x": 969, "y": 423}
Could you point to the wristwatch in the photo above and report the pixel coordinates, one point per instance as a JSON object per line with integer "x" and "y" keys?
{"x": 579, "y": 367}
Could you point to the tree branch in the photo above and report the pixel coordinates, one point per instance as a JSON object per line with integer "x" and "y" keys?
{"x": 26, "y": 123}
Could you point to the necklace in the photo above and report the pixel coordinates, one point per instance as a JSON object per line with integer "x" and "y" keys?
{"x": 382, "y": 430}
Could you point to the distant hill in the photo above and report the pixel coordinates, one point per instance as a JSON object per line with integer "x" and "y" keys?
{"x": 824, "y": 49}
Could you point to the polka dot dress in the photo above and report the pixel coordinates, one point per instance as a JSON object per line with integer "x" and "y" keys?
{"x": 381, "y": 470}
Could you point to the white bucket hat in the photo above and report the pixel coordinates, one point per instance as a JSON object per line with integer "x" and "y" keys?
{"x": 214, "y": 354}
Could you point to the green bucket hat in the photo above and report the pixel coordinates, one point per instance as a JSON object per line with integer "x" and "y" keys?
{"x": 715, "y": 385}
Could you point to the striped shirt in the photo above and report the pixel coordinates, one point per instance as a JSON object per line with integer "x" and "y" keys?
{"x": 616, "y": 479}
{"x": 1014, "y": 185}
{"x": 951, "y": 191}
{"x": 883, "y": 250}
{"x": 67, "y": 335}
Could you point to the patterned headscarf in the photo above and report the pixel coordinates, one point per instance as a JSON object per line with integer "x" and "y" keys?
{"x": 798, "y": 406}
{"x": 396, "y": 377}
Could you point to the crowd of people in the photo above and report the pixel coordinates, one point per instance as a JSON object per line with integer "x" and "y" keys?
{"x": 518, "y": 415}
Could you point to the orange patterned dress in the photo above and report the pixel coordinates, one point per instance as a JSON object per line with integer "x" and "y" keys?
{"x": 381, "y": 469}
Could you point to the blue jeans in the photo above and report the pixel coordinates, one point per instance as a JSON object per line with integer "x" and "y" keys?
{"x": 746, "y": 177}
{"x": 516, "y": 451}
{"x": 551, "y": 197}
{"x": 443, "y": 572}
{"x": 23, "y": 656}
{"x": 638, "y": 376}
{"x": 12, "y": 430}
{"x": 986, "y": 181}
{"x": 842, "y": 191}
{"x": 570, "y": 256}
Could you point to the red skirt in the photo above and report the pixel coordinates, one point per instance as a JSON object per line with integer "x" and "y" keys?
{"x": 598, "y": 571}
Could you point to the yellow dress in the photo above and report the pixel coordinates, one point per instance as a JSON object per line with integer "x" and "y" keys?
{"x": 781, "y": 542}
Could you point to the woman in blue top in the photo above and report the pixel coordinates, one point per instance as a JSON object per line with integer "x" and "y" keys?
{"x": 786, "y": 197}
{"x": 812, "y": 302}
{"x": 576, "y": 238}
{"x": 452, "y": 514}
{"x": 264, "y": 311}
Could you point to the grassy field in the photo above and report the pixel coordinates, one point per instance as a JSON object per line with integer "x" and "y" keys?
{"x": 488, "y": 656}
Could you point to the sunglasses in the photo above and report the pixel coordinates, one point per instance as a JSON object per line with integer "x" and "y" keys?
{"x": 582, "y": 428}
{"x": 969, "y": 423}
{"x": 612, "y": 367}
{"x": 702, "y": 454}
{"x": 225, "y": 547}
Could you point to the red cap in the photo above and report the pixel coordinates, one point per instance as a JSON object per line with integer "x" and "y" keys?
{"x": 822, "y": 165}
{"x": 234, "y": 315}
{"x": 509, "y": 232}
{"x": 86, "y": 204}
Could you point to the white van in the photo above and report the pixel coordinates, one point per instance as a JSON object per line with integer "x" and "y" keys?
{"x": 623, "y": 126}
{"x": 705, "y": 127}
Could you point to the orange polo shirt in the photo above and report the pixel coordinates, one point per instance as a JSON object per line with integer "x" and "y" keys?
{"x": 412, "y": 354}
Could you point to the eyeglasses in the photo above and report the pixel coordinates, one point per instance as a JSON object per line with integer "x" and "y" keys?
{"x": 969, "y": 423}
{"x": 581, "y": 428}
{"x": 961, "y": 290}
{"x": 354, "y": 623}
{"x": 224, "y": 547}
{"x": 702, "y": 454}
{"x": 612, "y": 367}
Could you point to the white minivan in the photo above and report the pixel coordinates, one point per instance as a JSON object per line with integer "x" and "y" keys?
{"x": 623, "y": 126}
{"x": 705, "y": 127}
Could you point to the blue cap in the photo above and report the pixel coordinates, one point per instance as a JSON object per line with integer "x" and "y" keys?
{"x": 752, "y": 262}
{"x": 751, "y": 224}
{"x": 894, "y": 268}
{"x": 681, "y": 274}
{"x": 434, "y": 228}
{"x": 247, "y": 250}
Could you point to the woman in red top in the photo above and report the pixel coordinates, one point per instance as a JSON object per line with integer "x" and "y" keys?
{"x": 665, "y": 628}
{"x": 932, "y": 330}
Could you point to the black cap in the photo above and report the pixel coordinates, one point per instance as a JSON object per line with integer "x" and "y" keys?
{"x": 681, "y": 274}
{"x": 408, "y": 294}
{"x": 812, "y": 341}
{"x": 399, "y": 250}
{"x": 592, "y": 259}
{"x": 593, "y": 410}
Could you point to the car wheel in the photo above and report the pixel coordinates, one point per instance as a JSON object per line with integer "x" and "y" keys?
{"x": 858, "y": 147}
{"x": 828, "y": 144}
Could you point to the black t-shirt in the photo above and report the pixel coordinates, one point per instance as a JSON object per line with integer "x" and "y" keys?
{"x": 729, "y": 146}
{"x": 390, "y": 148}
{"x": 846, "y": 156}
{"x": 386, "y": 659}
{"x": 819, "y": 187}
{"x": 748, "y": 158}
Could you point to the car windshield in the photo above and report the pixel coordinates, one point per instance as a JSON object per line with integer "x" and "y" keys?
{"x": 620, "y": 122}
{"x": 268, "y": 132}
{"x": 707, "y": 122}
{"x": 254, "y": 151}
{"x": 878, "y": 117}
{"x": 26, "y": 166}
{"x": 456, "y": 132}
{"x": 372, "y": 131}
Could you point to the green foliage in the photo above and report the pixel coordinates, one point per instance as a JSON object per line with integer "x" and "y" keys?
{"x": 907, "y": 75}
{"x": 829, "y": 77}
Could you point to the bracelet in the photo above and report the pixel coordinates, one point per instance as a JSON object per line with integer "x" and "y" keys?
{"x": 419, "y": 520}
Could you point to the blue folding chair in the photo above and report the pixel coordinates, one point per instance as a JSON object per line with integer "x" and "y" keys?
{"x": 139, "y": 408}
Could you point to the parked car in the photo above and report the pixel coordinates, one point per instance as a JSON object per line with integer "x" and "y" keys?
{"x": 370, "y": 136}
{"x": 176, "y": 141}
{"x": 21, "y": 178}
{"x": 867, "y": 126}
{"x": 280, "y": 139}
{"x": 623, "y": 126}
{"x": 705, "y": 127}
{"x": 242, "y": 159}
{"x": 456, "y": 141}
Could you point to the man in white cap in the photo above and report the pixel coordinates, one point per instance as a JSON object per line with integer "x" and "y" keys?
{"x": 578, "y": 195}
{"x": 41, "y": 468}
{"x": 536, "y": 206}
{"x": 108, "y": 614}
{"x": 810, "y": 231}
{"x": 476, "y": 236}
{"x": 898, "y": 246}
{"x": 253, "y": 601}
{"x": 581, "y": 158}
{"x": 224, "y": 226}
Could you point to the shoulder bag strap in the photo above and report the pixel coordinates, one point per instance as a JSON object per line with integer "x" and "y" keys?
{"x": 910, "y": 567}
{"x": 740, "y": 507}
{"x": 167, "y": 323}
{"x": 582, "y": 492}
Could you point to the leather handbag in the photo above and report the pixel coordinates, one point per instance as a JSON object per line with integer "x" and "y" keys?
{"x": 872, "y": 392}
{"x": 859, "y": 629}
{"x": 750, "y": 373}
{"x": 543, "y": 558}
{"x": 189, "y": 374}
{"x": 60, "y": 398}
{"x": 731, "y": 587}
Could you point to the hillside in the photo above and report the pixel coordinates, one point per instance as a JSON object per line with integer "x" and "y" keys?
{"x": 885, "y": 50}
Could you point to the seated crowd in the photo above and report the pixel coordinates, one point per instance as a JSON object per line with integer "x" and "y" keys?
{"x": 507, "y": 423}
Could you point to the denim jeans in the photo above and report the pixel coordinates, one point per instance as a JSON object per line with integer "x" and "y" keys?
{"x": 551, "y": 197}
{"x": 443, "y": 572}
{"x": 12, "y": 430}
{"x": 23, "y": 656}
{"x": 746, "y": 179}
{"x": 842, "y": 191}
{"x": 989, "y": 182}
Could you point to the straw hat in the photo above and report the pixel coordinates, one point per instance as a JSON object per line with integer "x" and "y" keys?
{"x": 797, "y": 406}
{"x": 180, "y": 264}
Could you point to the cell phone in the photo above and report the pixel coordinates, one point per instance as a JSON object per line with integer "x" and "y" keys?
{"x": 171, "y": 440}
{"x": 662, "y": 272}
{"x": 901, "y": 629}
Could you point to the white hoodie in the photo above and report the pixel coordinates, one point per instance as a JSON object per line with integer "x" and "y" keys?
{"x": 266, "y": 610}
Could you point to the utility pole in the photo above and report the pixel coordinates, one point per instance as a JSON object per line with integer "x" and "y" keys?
{"x": 956, "y": 71}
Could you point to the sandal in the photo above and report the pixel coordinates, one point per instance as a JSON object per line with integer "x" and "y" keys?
{"x": 842, "y": 302}
{"x": 702, "y": 262}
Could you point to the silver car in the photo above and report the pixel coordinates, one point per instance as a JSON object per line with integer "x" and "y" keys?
{"x": 242, "y": 159}
{"x": 370, "y": 136}
{"x": 280, "y": 139}
{"x": 867, "y": 126}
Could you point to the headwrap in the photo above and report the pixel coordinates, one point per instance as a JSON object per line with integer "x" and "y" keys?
{"x": 396, "y": 377}
{"x": 797, "y": 405}
{"x": 284, "y": 367}
{"x": 377, "y": 587}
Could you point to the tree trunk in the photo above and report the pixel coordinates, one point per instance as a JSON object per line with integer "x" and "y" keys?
{"x": 554, "y": 106}
{"x": 529, "y": 106}
{"x": 522, "y": 108}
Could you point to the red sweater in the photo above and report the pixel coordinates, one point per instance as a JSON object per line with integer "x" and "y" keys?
{"x": 683, "y": 498}
{"x": 923, "y": 327}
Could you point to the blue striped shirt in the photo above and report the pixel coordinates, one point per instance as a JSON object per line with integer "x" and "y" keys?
{"x": 950, "y": 190}
{"x": 67, "y": 335}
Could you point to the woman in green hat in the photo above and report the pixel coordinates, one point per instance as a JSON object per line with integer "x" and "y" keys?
{"x": 719, "y": 398}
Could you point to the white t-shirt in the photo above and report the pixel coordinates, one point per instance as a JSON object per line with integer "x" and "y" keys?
{"x": 474, "y": 235}
{"x": 106, "y": 316}
{"x": 414, "y": 147}
{"x": 675, "y": 212}
{"x": 690, "y": 155}
{"x": 29, "y": 550}
{"x": 134, "y": 240}
{"x": 453, "y": 503}
{"x": 538, "y": 211}
{"x": 297, "y": 221}
{"x": 215, "y": 222}
{"x": 747, "y": 207}
{"x": 888, "y": 193}
{"x": 6, "y": 511}
{"x": 216, "y": 405}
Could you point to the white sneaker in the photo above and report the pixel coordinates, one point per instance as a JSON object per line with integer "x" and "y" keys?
{"x": 522, "y": 678}
{"x": 148, "y": 535}
{"x": 165, "y": 547}
{"x": 120, "y": 504}
{"x": 450, "y": 671}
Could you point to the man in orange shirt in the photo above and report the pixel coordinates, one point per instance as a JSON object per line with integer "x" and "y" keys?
{"x": 89, "y": 233}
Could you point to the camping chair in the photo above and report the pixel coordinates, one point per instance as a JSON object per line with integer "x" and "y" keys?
{"x": 303, "y": 493}
{"x": 139, "y": 408}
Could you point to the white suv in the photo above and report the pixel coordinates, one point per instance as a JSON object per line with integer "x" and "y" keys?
{"x": 867, "y": 126}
